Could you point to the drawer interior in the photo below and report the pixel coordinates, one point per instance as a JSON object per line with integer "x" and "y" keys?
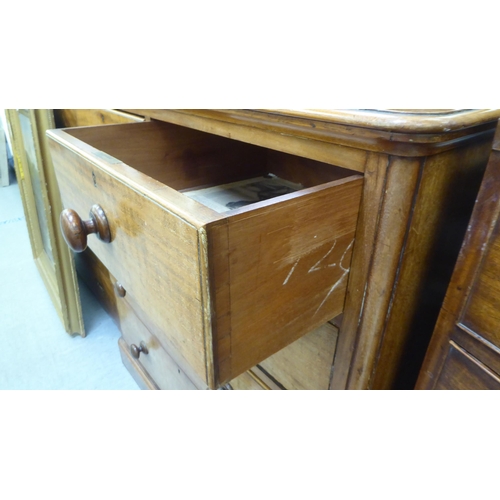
{"x": 187, "y": 160}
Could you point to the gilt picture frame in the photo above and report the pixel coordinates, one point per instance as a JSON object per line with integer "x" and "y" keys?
{"x": 42, "y": 206}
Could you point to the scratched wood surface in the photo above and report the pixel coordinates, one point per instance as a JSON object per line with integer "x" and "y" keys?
{"x": 288, "y": 265}
{"x": 274, "y": 271}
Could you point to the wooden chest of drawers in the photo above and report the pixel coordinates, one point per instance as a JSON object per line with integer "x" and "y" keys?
{"x": 465, "y": 349}
{"x": 373, "y": 232}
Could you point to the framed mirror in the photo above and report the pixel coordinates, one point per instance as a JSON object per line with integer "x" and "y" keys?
{"x": 42, "y": 206}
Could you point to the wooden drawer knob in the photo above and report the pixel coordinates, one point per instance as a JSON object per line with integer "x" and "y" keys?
{"x": 136, "y": 351}
{"x": 120, "y": 290}
{"x": 75, "y": 230}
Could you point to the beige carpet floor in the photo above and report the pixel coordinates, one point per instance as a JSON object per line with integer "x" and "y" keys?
{"x": 35, "y": 351}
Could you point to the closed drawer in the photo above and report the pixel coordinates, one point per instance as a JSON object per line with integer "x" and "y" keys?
{"x": 155, "y": 366}
{"x": 151, "y": 355}
{"x": 220, "y": 290}
{"x": 462, "y": 371}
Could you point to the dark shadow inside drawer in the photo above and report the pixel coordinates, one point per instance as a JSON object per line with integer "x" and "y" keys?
{"x": 184, "y": 159}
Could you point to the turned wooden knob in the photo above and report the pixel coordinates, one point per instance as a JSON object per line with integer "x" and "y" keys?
{"x": 75, "y": 230}
{"x": 136, "y": 351}
{"x": 120, "y": 290}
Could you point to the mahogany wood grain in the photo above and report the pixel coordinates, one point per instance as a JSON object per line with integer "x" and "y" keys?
{"x": 385, "y": 254}
{"x": 334, "y": 154}
{"x": 483, "y": 309}
{"x": 464, "y": 351}
{"x": 156, "y": 362}
{"x": 434, "y": 197}
{"x": 412, "y": 162}
{"x": 288, "y": 265}
{"x": 366, "y": 232}
{"x": 156, "y": 267}
{"x": 443, "y": 202}
{"x": 157, "y": 365}
{"x": 178, "y": 157}
{"x": 88, "y": 117}
{"x": 340, "y": 134}
{"x": 461, "y": 371}
{"x": 284, "y": 262}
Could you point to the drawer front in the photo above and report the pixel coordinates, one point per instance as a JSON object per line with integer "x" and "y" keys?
{"x": 157, "y": 363}
{"x": 155, "y": 370}
{"x": 462, "y": 371}
{"x": 482, "y": 313}
{"x": 220, "y": 291}
{"x": 153, "y": 252}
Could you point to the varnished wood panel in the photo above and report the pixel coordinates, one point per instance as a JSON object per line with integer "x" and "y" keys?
{"x": 277, "y": 266}
{"x": 157, "y": 362}
{"x": 444, "y": 200}
{"x": 468, "y": 319}
{"x": 178, "y": 157}
{"x": 461, "y": 371}
{"x": 385, "y": 254}
{"x": 366, "y": 232}
{"x": 334, "y": 154}
{"x": 388, "y": 231}
{"x": 151, "y": 254}
{"x": 483, "y": 308}
{"x": 344, "y": 136}
{"x": 88, "y": 117}
{"x": 288, "y": 266}
{"x": 157, "y": 365}
{"x": 477, "y": 346}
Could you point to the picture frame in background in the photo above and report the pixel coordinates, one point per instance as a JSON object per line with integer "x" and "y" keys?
{"x": 4, "y": 160}
{"x": 42, "y": 206}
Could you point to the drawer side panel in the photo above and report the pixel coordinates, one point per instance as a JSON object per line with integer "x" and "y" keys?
{"x": 287, "y": 269}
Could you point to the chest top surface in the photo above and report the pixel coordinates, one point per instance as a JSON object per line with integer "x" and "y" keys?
{"x": 343, "y": 132}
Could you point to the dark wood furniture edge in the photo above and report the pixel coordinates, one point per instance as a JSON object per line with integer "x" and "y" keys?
{"x": 484, "y": 220}
{"x": 390, "y": 132}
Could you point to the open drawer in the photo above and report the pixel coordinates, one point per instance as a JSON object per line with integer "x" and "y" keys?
{"x": 220, "y": 288}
